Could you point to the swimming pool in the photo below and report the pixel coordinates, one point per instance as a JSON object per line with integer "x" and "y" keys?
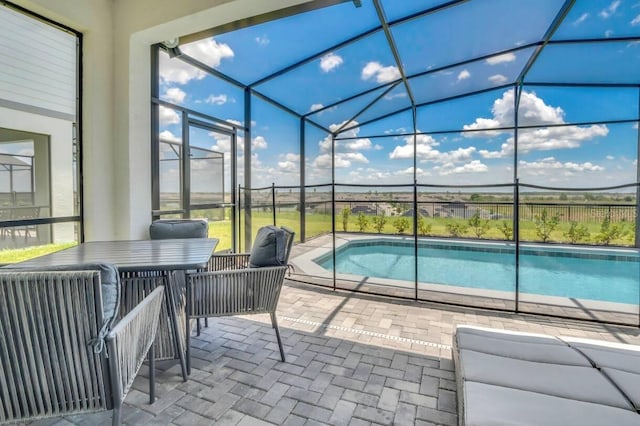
{"x": 592, "y": 274}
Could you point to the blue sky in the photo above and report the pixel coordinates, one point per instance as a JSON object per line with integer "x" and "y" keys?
{"x": 561, "y": 151}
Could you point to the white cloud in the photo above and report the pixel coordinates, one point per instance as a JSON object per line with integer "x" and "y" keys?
{"x": 259, "y": 142}
{"x": 342, "y": 160}
{"x": 532, "y": 112}
{"x": 167, "y": 136}
{"x": 374, "y": 70}
{"x": 475, "y": 166}
{"x": 550, "y": 163}
{"x": 208, "y": 51}
{"x": 315, "y": 107}
{"x": 635, "y": 21}
{"x": 220, "y": 99}
{"x": 425, "y": 151}
{"x": 175, "y": 95}
{"x": 498, "y": 79}
{"x": 610, "y": 157}
{"x": 608, "y": 33}
{"x": 290, "y": 163}
{"x": 262, "y": 40}
{"x": 176, "y": 71}
{"x": 499, "y": 59}
{"x": 347, "y": 151}
{"x": 464, "y": 74}
{"x": 610, "y": 10}
{"x": 581, "y": 19}
{"x": 168, "y": 116}
{"x": 389, "y": 96}
{"x": 330, "y": 61}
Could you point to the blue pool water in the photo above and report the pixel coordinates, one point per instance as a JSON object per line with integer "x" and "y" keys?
{"x": 574, "y": 273}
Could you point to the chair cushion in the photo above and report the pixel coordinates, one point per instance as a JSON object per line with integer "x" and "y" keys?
{"x": 524, "y": 346}
{"x": 486, "y": 404}
{"x": 629, "y": 383}
{"x": 608, "y": 354}
{"x": 269, "y": 247}
{"x": 565, "y": 381}
{"x": 180, "y": 228}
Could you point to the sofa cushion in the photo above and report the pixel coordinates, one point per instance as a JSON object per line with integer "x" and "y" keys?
{"x": 486, "y": 404}
{"x": 583, "y": 383}
{"x": 629, "y": 383}
{"x": 269, "y": 247}
{"x": 529, "y": 347}
{"x": 180, "y": 228}
{"x": 608, "y": 354}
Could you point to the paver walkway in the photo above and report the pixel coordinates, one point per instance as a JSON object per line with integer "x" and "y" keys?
{"x": 352, "y": 359}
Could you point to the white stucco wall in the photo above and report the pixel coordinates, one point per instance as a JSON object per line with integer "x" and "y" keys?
{"x": 116, "y": 92}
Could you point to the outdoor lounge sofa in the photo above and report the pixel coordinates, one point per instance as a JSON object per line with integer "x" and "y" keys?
{"x": 63, "y": 348}
{"x": 506, "y": 378}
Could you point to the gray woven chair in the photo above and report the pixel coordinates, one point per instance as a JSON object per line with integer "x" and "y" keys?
{"x": 137, "y": 285}
{"x": 62, "y": 349}
{"x": 232, "y": 285}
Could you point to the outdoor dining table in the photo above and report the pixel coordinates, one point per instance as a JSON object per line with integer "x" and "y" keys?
{"x": 142, "y": 256}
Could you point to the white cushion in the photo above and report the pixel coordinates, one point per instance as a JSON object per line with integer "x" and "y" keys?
{"x": 629, "y": 383}
{"x": 566, "y": 381}
{"x": 608, "y": 354}
{"x": 527, "y": 348}
{"x": 492, "y": 405}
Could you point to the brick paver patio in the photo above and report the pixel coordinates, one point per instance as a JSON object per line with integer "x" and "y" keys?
{"x": 352, "y": 359}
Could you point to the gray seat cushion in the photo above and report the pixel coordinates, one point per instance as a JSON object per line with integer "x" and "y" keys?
{"x": 608, "y": 354}
{"x": 524, "y": 346}
{"x": 566, "y": 381}
{"x": 487, "y": 404}
{"x": 180, "y": 228}
{"x": 269, "y": 247}
{"x": 629, "y": 383}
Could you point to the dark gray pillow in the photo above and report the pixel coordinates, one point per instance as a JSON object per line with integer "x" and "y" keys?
{"x": 171, "y": 229}
{"x": 269, "y": 247}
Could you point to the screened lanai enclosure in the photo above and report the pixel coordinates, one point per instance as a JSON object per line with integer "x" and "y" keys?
{"x": 479, "y": 152}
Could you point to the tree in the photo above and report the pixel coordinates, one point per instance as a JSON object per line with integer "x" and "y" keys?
{"x": 362, "y": 221}
{"x": 545, "y": 224}
{"x": 475, "y": 197}
{"x": 379, "y": 222}
{"x": 401, "y": 224}
{"x": 478, "y": 226}
{"x": 576, "y": 232}
{"x": 456, "y": 229}
{"x": 507, "y": 230}
{"x": 608, "y": 232}
{"x": 424, "y": 228}
{"x": 345, "y": 212}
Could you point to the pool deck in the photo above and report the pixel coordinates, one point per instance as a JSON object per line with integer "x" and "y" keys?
{"x": 352, "y": 359}
{"x": 310, "y": 272}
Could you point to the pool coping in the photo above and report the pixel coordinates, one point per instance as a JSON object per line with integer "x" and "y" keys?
{"x": 306, "y": 262}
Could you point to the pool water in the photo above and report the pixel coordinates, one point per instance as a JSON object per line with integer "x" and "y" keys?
{"x": 573, "y": 273}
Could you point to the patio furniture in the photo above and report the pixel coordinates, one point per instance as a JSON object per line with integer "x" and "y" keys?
{"x": 144, "y": 265}
{"x": 242, "y": 284}
{"x": 63, "y": 350}
{"x": 506, "y": 377}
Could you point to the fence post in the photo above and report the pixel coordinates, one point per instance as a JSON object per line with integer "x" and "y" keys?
{"x": 273, "y": 201}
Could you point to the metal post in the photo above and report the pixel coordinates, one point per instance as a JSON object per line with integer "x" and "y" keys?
{"x": 333, "y": 205}
{"x": 415, "y": 236}
{"x": 303, "y": 192}
{"x": 239, "y": 213}
{"x": 247, "y": 169}
{"x": 517, "y": 90}
{"x": 273, "y": 201}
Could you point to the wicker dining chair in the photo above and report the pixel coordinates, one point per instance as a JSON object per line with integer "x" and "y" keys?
{"x": 63, "y": 351}
{"x": 242, "y": 284}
